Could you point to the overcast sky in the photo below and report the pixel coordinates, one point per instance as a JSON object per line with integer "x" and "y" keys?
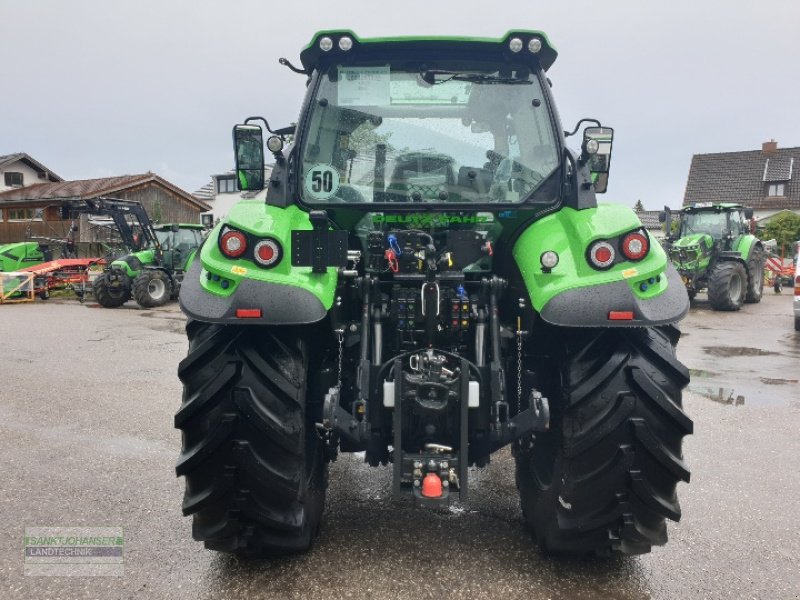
{"x": 94, "y": 88}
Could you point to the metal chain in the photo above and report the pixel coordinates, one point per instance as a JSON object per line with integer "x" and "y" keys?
{"x": 340, "y": 337}
{"x": 519, "y": 365}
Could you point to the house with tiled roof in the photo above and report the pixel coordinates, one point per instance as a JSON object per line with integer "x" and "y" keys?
{"x": 766, "y": 179}
{"x": 650, "y": 221}
{"x": 38, "y": 210}
{"x": 20, "y": 169}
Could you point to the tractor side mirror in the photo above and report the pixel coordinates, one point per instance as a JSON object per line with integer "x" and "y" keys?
{"x": 662, "y": 217}
{"x": 748, "y": 212}
{"x": 596, "y": 151}
{"x": 248, "y": 147}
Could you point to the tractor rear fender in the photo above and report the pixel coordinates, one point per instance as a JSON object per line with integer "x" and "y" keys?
{"x": 575, "y": 294}
{"x": 160, "y": 268}
{"x": 216, "y": 288}
{"x": 727, "y": 256}
{"x": 748, "y": 244}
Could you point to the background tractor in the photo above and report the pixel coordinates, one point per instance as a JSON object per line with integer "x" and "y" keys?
{"x": 714, "y": 249}
{"x": 152, "y": 271}
{"x": 431, "y": 279}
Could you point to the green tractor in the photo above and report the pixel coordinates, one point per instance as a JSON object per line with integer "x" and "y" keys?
{"x": 713, "y": 249}
{"x": 431, "y": 279}
{"x": 153, "y": 270}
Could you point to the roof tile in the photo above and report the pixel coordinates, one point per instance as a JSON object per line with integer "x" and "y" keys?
{"x": 739, "y": 177}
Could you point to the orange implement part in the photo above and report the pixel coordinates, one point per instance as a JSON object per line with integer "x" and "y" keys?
{"x": 432, "y": 486}
{"x": 63, "y": 263}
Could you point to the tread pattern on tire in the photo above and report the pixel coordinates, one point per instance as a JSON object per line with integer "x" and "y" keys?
{"x": 719, "y": 285}
{"x": 255, "y": 477}
{"x": 104, "y": 298}
{"x": 141, "y": 291}
{"x": 614, "y": 447}
{"x": 755, "y": 276}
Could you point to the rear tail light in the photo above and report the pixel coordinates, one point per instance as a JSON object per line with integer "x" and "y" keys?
{"x": 635, "y": 246}
{"x": 620, "y": 315}
{"x": 233, "y": 243}
{"x": 797, "y": 286}
{"x": 267, "y": 252}
{"x": 601, "y": 255}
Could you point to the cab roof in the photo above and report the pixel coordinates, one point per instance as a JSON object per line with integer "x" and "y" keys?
{"x": 167, "y": 226}
{"x": 715, "y": 206}
{"x": 497, "y": 48}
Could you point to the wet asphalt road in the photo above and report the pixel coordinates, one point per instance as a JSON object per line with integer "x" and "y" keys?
{"x": 86, "y": 438}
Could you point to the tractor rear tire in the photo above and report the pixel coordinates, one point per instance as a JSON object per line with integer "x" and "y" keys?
{"x": 602, "y": 480}
{"x": 253, "y": 462}
{"x": 755, "y": 277}
{"x": 152, "y": 288}
{"x": 109, "y": 296}
{"x": 727, "y": 286}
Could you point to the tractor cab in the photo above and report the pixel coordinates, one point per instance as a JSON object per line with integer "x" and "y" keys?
{"x": 178, "y": 242}
{"x": 722, "y": 222}
{"x": 408, "y": 124}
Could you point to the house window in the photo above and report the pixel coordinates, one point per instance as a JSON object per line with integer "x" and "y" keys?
{"x": 13, "y": 179}
{"x": 25, "y": 214}
{"x": 226, "y": 185}
{"x": 775, "y": 189}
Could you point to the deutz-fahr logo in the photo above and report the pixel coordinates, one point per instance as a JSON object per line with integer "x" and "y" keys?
{"x": 431, "y": 219}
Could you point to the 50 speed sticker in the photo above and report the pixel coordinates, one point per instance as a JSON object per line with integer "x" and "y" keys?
{"x": 322, "y": 181}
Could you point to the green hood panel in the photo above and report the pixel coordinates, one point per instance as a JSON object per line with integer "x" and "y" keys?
{"x": 569, "y": 233}
{"x": 694, "y": 240}
{"x": 146, "y": 257}
{"x": 262, "y": 220}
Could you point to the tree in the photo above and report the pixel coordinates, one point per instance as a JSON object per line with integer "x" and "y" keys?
{"x": 785, "y": 229}
{"x": 638, "y": 207}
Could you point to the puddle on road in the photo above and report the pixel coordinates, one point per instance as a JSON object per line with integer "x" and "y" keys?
{"x": 773, "y": 392}
{"x": 769, "y": 381}
{"x": 728, "y": 351}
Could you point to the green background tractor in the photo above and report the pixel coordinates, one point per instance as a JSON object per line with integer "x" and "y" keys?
{"x": 431, "y": 279}
{"x": 151, "y": 276}
{"x": 714, "y": 249}
{"x": 152, "y": 271}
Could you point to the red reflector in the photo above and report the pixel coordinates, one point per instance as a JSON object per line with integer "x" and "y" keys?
{"x": 620, "y": 315}
{"x": 603, "y": 255}
{"x": 266, "y": 253}
{"x": 248, "y": 313}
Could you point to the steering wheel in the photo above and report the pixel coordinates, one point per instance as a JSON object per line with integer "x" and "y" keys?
{"x": 347, "y": 194}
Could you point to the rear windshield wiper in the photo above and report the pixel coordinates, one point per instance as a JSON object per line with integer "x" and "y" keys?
{"x": 430, "y": 77}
